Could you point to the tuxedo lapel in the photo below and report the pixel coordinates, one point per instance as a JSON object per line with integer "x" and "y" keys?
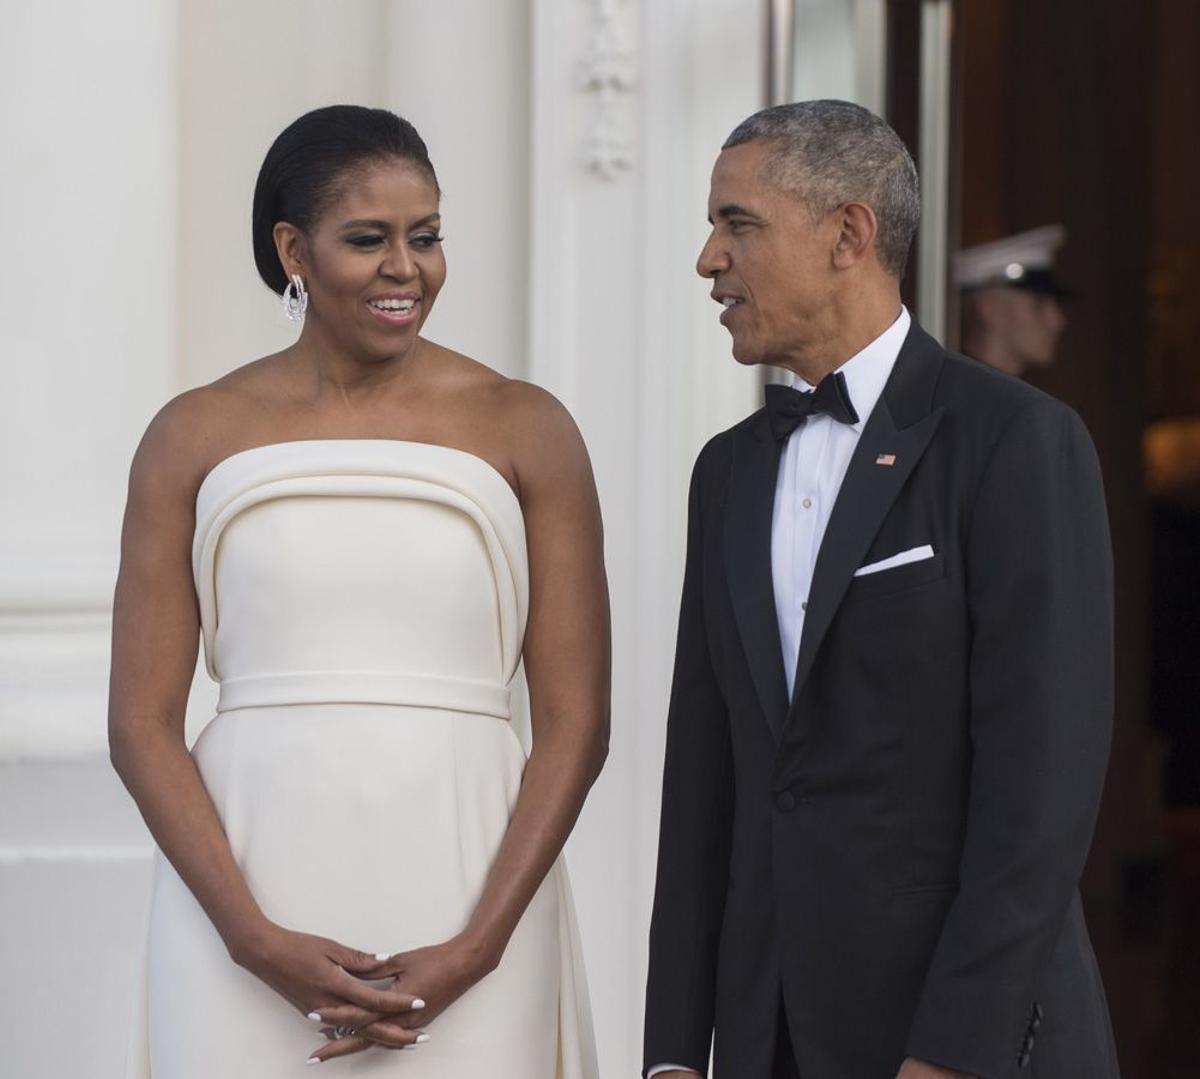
{"x": 896, "y": 435}
{"x": 748, "y": 559}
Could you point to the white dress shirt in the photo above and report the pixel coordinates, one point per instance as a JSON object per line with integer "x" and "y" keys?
{"x": 811, "y": 471}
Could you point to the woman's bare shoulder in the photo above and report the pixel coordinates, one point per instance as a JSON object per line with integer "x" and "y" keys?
{"x": 191, "y": 432}
{"x": 544, "y": 442}
{"x": 516, "y": 422}
{"x": 532, "y": 413}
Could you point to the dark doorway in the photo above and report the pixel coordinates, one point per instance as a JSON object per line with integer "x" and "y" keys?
{"x": 1086, "y": 113}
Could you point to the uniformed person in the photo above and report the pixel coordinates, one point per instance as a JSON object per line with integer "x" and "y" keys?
{"x": 1012, "y": 315}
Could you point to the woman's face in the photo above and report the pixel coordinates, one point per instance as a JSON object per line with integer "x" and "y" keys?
{"x": 373, "y": 261}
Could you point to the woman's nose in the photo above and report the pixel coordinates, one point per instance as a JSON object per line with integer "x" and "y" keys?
{"x": 399, "y": 264}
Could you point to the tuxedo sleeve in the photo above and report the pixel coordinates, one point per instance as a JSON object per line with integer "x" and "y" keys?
{"x": 1039, "y": 586}
{"x": 694, "y": 833}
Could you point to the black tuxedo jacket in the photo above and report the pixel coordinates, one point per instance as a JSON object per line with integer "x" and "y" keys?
{"x": 897, "y": 849}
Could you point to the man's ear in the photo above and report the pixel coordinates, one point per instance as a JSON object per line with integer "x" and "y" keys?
{"x": 289, "y": 243}
{"x": 856, "y": 234}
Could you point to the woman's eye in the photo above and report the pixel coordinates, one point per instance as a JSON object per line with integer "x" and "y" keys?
{"x": 426, "y": 240}
{"x": 366, "y": 241}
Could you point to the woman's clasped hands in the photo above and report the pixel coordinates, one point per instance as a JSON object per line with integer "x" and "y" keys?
{"x": 328, "y": 982}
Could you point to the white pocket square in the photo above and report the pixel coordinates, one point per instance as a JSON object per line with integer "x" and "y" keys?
{"x": 914, "y": 554}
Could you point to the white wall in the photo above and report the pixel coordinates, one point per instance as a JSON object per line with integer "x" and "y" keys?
{"x": 573, "y": 139}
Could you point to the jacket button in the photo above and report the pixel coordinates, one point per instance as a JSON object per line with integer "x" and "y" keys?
{"x": 785, "y": 801}
{"x": 1027, "y": 1047}
{"x": 1038, "y": 1013}
{"x": 1023, "y": 1059}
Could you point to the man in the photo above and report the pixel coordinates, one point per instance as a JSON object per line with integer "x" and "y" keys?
{"x": 890, "y": 714}
{"x": 1012, "y": 315}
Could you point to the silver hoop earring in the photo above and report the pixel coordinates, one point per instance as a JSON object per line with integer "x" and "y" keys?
{"x": 295, "y": 298}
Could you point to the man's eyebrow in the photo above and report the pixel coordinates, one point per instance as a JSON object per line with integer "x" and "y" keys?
{"x": 732, "y": 209}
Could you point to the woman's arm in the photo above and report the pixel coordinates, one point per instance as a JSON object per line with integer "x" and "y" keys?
{"x": 154, "y": 645}
{"x": 567, "y": 660}
{"x": 154, "y": 648}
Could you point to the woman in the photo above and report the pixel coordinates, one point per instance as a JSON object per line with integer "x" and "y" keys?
{"x": 369, "y": 531}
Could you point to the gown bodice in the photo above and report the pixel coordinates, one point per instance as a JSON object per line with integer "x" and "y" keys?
{"x": 367, "y": 570}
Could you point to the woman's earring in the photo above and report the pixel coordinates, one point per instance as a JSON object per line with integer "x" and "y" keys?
{"x": 295, "y": 298}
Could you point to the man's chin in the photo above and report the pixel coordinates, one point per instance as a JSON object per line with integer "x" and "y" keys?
{"x": 745, "y": 354}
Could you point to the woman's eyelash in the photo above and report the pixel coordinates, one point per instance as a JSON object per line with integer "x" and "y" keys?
{"x": 425, "y": 239}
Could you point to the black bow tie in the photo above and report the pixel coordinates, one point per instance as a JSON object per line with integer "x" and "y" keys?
{"x": 788, "y": 408}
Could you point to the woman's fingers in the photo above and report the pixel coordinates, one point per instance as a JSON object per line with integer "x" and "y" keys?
{"x": 385, "y": 1001}
{"x": 384, "y": 1034}
{"x": 341, "y": 1047}
{"x": 393, "y": 1036}
{"x": 350, "y": 1015}
{"x": 344, "y": 1015}
{"x": 382, "y": 966}
{"x": 356, "y": 962}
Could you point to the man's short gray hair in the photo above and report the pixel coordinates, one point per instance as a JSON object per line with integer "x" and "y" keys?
{"x": 833, "y": 152}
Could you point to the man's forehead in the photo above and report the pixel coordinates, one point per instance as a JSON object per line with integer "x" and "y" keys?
{"x": 737, "y": 176}
{"x": 740, "y": 164}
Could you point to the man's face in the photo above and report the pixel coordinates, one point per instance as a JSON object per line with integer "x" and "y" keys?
{"x": 766, "y": 255}
{"x": 1036, "y": 325}
{"x": 1028, "y": 324}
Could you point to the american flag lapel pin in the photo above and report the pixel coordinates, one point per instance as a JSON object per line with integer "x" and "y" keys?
{"x": 886, "y": 459}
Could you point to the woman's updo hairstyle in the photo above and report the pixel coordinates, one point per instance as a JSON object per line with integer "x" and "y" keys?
{"x": 307, "y": 162}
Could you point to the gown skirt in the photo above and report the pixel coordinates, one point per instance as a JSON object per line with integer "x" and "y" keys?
{"x": 362, "y": 605}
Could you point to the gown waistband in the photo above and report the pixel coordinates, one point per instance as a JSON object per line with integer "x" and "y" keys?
{"x": 365, "y": 687}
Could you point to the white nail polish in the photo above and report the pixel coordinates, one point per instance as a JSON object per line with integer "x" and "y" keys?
{"x": 315, "y": 1017}
{"x": 381, "y": 956}
{"x": 313, "y": 1060}
{"x": 422, "y": 1038}
{"x": 418, "y": 1004}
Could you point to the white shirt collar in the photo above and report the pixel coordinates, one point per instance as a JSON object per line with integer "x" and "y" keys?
{"x": 867, "y": 371}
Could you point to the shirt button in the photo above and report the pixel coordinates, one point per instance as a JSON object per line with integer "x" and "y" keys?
{"x": 804, "y": 605}
{"x": 785, "y": 801}
{"x": 807, "y": 503}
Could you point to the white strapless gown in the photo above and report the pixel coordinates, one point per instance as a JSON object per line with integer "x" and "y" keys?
{"x": 363, "y": 603}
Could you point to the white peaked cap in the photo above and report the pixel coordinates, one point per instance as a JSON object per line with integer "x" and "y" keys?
{"x": 1007, "y": 261}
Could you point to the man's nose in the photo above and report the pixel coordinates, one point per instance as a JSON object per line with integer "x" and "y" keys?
{"x": 713, "y": 259}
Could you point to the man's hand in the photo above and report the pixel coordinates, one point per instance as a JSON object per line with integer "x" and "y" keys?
{"x": 919, "y": 1069}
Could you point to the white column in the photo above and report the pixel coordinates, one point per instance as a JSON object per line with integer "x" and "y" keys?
{"x": 630, "y": 105}
{"x": 88, "y": 352}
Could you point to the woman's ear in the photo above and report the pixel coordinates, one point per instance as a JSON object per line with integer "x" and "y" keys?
{"x": 289, "y": 243}
{"x": 856, "y": 235}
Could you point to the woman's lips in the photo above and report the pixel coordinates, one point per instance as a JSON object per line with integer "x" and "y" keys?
{"x": 394, "y": 317}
